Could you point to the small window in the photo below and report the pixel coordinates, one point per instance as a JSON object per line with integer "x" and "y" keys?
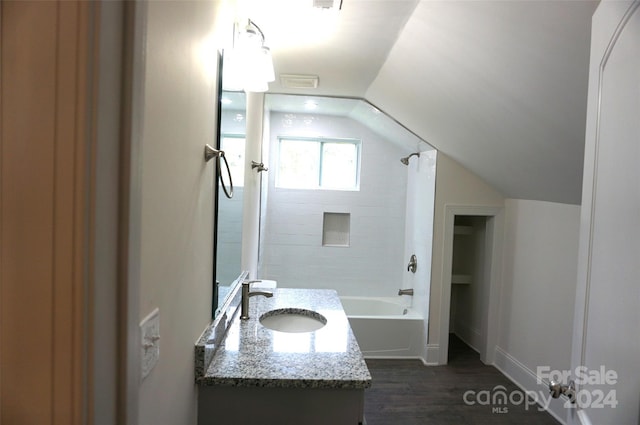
{"x": 318, "y": 164}
{"x": 233, "y": 147}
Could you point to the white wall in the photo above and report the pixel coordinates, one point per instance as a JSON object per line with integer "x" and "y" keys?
{"x": 457, "y": 186}
{"x": 373, "y": 264}
{"x": 176, "y": 199}
{"x": 539, "y": 281}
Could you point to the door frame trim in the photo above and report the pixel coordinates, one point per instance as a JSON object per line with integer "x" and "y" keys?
{"x": 135, "y": 29}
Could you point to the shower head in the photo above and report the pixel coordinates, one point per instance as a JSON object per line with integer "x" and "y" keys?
{"x": 405, "y": 160}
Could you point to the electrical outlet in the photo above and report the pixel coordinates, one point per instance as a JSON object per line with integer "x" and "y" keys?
{"x": 149, "y": 342}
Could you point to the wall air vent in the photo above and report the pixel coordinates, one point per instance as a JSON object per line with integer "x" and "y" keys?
{"x": 327, "y": 4}
{"x": 296, "y": 81}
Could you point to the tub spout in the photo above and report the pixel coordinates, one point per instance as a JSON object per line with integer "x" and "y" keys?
{"x": 405, "y": 292}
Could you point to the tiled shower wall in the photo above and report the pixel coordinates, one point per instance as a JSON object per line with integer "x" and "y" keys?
{"x": 292, "y": 251}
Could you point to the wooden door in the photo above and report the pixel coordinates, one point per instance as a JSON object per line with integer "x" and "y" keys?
{"x": 45, "y": 209}
{"x": 606, "y": 343}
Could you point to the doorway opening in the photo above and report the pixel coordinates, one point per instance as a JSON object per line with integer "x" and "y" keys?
{"x": 471, "y": 279}
{"x": 468, "y": 281}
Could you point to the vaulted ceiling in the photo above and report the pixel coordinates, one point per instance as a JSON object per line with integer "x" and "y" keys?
{"x": 499, "y": 86}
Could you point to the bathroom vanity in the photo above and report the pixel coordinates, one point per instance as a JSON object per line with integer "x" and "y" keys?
{"x": 262, "y": 376}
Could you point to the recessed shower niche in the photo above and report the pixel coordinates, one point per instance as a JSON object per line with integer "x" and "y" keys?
{"x": 336, "y": 229}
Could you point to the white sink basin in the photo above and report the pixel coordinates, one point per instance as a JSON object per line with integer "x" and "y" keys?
{"x": 293, "y": 320}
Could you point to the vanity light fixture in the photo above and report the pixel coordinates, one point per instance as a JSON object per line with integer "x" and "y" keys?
{"x": 251, "y": 59}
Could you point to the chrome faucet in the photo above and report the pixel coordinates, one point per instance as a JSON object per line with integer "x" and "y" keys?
{"x": 244, "y": 305}
{"x": 405, "y": 292}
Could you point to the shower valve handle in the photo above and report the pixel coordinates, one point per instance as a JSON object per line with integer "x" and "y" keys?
{"x": 413, "y": 264}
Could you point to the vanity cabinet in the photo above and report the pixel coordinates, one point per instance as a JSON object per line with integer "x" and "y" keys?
{"x": 261, "y": 376}
{"x": 263, "y": 405}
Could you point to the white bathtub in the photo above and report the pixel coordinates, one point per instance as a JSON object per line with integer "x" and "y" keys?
{"x": 386, "y": 327}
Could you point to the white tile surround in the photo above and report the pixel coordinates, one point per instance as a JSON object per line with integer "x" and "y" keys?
{"x": 373, "y": 262}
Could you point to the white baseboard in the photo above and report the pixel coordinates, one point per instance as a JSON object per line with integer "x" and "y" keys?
{"x": 433, "y": 355}
{"x": 527, "y": 380}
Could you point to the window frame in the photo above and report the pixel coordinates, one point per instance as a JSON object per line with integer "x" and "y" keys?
{"x": 321, "y": 142}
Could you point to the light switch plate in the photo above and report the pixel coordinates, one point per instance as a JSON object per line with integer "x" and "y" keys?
{"x": 149, "y": 342}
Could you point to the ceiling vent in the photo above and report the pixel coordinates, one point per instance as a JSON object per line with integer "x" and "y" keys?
{"x": 327, "y": 4}
{"x": 296, "y": 81}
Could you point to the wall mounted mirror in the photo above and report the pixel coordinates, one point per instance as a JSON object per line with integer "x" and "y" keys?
{"x": 228, "y": 250}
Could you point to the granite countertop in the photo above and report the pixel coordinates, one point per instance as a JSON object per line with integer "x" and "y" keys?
{"x": 255, "y": 356}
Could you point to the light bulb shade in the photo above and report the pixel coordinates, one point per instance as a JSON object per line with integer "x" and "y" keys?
{"x": 257, "y": 69}
{"x": 255, "y": 85}
{"x": 232, "y": 71}
{"x": 251, "y": 64}
{"x": 248, "y": 38}
{"x": 266, "y": 65}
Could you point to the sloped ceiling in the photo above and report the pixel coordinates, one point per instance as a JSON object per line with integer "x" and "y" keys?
{"x": 499, "y": 86}
{"x": 345, "y": 49}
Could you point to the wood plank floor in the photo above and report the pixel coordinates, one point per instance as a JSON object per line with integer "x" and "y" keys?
{"x": 405, "y": 392}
